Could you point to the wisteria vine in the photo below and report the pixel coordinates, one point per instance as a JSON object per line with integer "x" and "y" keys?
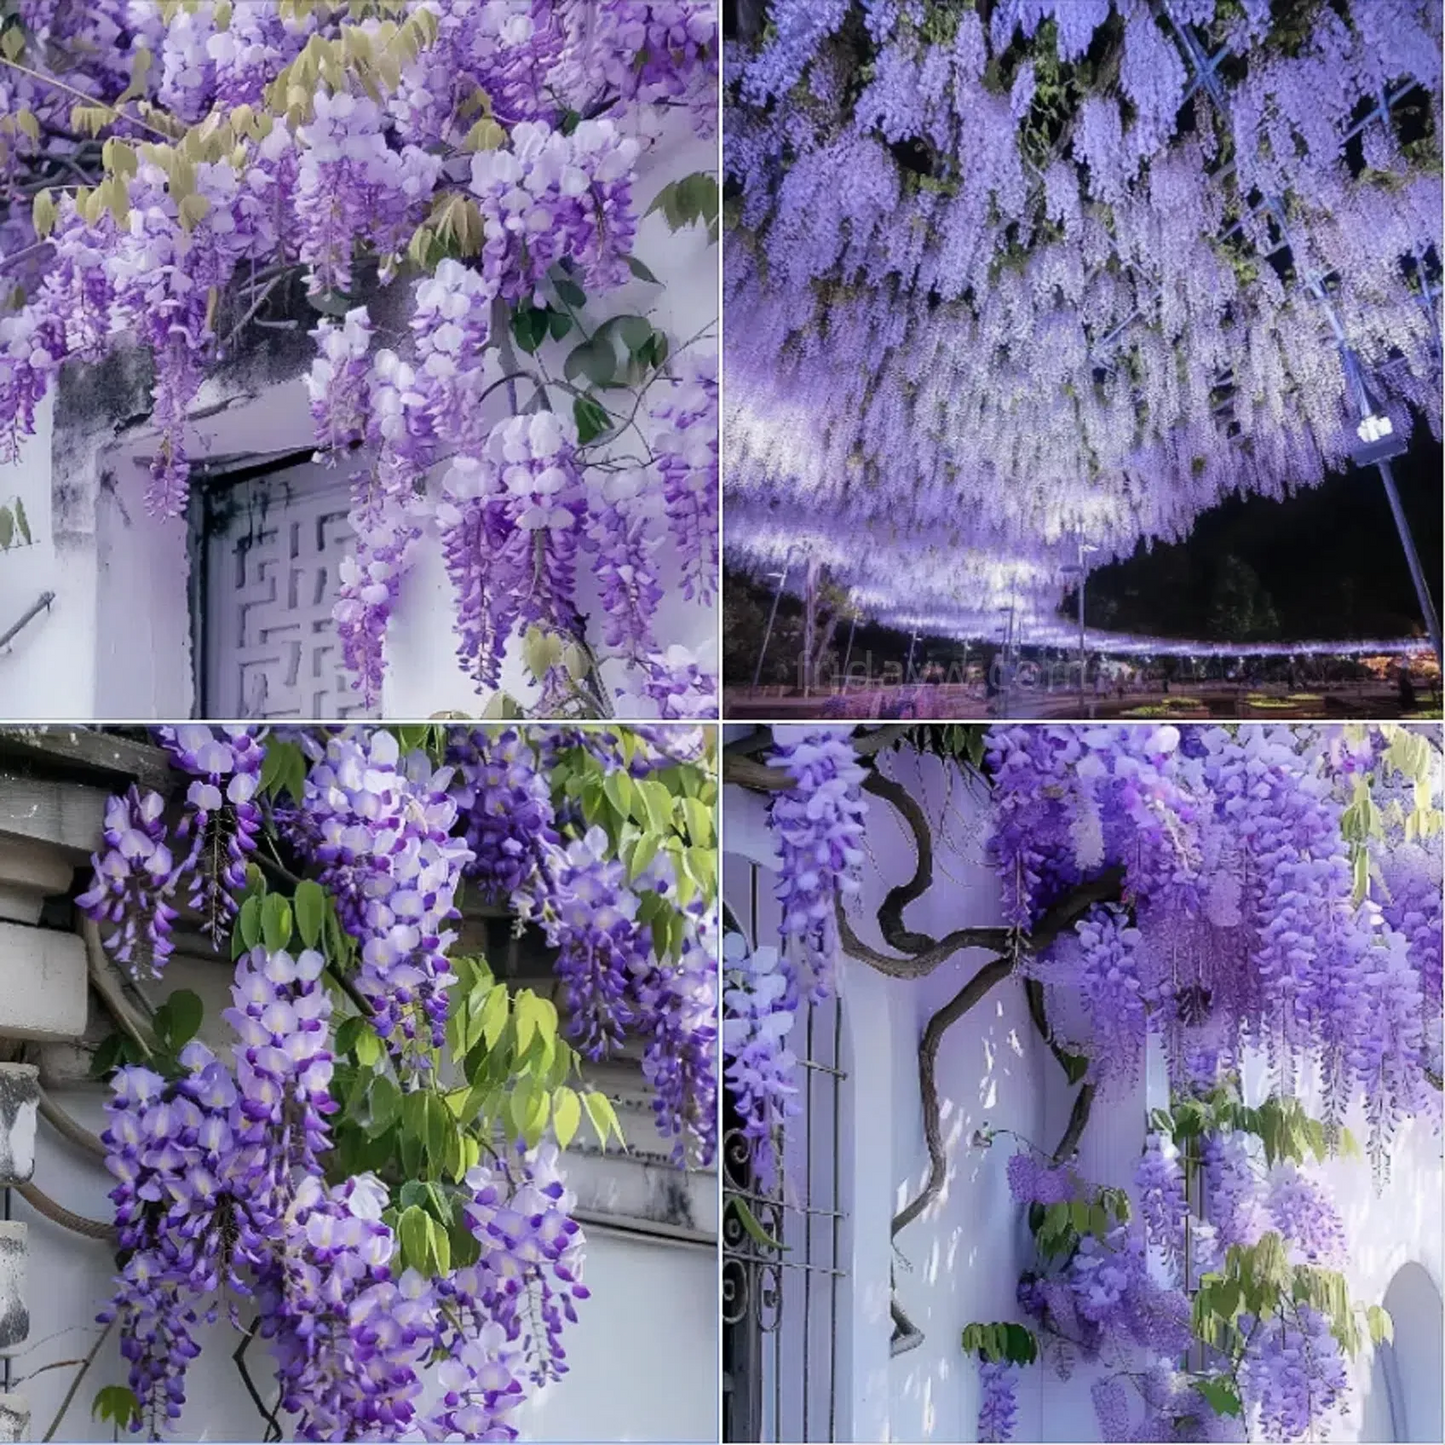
{"x": 1259, "y": 903}
{"x": 368, "y": 1181}
{"x": 174, "y": 177}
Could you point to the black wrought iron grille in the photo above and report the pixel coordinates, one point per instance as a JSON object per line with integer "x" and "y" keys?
{"x": 784, "y": 1285}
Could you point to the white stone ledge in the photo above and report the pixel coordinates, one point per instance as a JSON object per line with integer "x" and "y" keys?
{"x": 42, "y": 984}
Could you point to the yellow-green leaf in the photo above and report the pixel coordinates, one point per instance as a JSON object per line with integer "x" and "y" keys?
{"x": 566, "y": 1115}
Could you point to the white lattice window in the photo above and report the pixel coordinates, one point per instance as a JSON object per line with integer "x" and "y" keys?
{"x": 266, "y": 558}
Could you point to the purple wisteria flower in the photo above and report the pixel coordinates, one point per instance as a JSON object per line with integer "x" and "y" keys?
{"x": 383, "y": 840}
{"x": 134, "y": 879}
{"x": 222, "y": 815}
{"x": 818, "y": 825}
{"x": 590, "y": 917}
{"x": 760, "y": 1069}
{"x": 998, "y": 1403}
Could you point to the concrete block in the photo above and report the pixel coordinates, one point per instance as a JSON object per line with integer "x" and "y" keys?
{"x": 14, "y": 1418}
{"x": 29, "y": 874}
{"x": 66, "y": 815}
{"x": 19, "y": 1102}
{"x": 43, "y": 991}
{"x": 14, "y": 1316}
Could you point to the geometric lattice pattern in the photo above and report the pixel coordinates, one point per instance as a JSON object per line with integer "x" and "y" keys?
{"x": 272, "y": 552}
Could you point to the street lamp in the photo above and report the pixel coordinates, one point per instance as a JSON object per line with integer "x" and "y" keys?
{"x": 772, "y": 616}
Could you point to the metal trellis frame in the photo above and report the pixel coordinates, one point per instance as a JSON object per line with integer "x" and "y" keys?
{"x": 783, "y": 1281}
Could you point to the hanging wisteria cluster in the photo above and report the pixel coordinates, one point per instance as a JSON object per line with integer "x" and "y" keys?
{"x": 1242, "y": 921}
{"x": 369, "y": 1181}
{"x": 817, "y": 824}
{"x": 167, "y": 170}
{"x": 1003, "y": 279}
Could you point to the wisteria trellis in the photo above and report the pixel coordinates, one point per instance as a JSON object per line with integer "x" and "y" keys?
{"x": 1260, "y": 892}
{"x": 165, "y": 169}
{"x": 1069, "y": 290}
{"x": 369, "y": 1181}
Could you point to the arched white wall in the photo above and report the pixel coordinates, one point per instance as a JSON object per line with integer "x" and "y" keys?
{"x": 1403, "y": 1400}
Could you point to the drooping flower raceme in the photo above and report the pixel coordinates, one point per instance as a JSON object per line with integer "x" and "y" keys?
{"x": 134, "y": 879}
{"x": 760, "y": 1067}
{"x": 223, "y": 817}
{"x": 383, "y": 841}
{"x": 818, "y": 825}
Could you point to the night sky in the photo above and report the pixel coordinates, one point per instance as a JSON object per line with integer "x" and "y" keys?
{"x": 1328, "y": 559}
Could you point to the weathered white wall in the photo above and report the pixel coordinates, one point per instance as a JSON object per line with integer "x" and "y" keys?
{"x": 964, "y": 1256}
{"x": 117, "y": 644}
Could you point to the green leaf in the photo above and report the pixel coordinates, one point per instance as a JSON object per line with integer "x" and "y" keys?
{"x": 1382, "y": 1327}
{"x": 642, "y": 272}
{"x": 383, "y": 1103}
{"x": 595, "y": 361}
{"x": 569, "y": 291}
{"x": 310, "y": 911}
{"x": 566, "y": 1115}
{"x": 439, "y": 1245}
{"x": 368, "y": 1048}
{"x": 414, "y": 1231}
{"x": 106, "y": 1057}
{"x": 635, "y": 331}
{"x": 1219, "y": 1394}
{"x": 592, "y": 419}
{"x": 248, "y": 922}
{"x": 186, "y": 1012}
{"x": 620, "y": 791}
{"x": 7, "y": 528}
{"x": 559, "y": 323}
{"x": 530, "y": 328}
{"x": 117, "y": 1404}
{"x": 276, "y": 922}
{"x": 541, "y": 651}
{"x": 22, "y": 522}
{"x": 284, "y": 766}
{"x": 495, "y": 1013}
{"x": 751, "y": 1227}
{"x": 603, "y": 1116}
{"x": 658, "y": 802}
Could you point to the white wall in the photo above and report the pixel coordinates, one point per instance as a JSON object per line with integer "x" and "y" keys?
{"x": 117, "y": 642}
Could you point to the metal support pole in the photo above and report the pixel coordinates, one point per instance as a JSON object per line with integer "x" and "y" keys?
{"x": 1412, "y": 558}
{"x": 1082, "y": 703}
{"x": 908, "y": 666}
{"x": 772, "y": 617}
{"x": 848, "y": 655}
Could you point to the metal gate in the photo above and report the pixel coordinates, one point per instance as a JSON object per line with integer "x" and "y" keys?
{"x": 266, "y": 544}
{"x": 783, "y": 1296}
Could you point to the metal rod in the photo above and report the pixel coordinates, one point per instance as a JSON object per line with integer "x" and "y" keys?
{"x": 908, "y": 666}
{"x": 1412, "y": 558}
{"x": 848, "y": 656}
{"x": 1082, "y": 703}
{"x": 772, "y": 617}
{"x": 42, "y": 604}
